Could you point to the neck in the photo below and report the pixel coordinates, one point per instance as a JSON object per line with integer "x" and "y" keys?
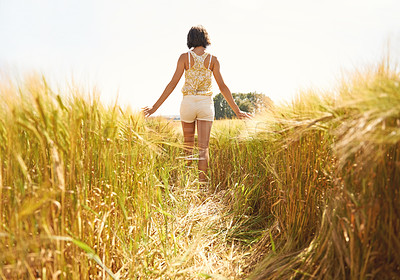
{"x": 199, "y": 50}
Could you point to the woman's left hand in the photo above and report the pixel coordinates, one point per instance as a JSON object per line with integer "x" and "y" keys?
{"x": 148, "y": 111}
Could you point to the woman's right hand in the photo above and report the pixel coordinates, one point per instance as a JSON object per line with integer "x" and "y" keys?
{"x": 243, "y": 115}
{"x": 148, "y": 111}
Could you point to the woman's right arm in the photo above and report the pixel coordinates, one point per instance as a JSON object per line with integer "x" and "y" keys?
{"x": 225, "y": 90}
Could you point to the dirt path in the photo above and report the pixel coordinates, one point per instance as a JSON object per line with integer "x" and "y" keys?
{"x": 211, "y": 253}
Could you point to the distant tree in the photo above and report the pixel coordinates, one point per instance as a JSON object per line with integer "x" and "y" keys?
{"x": 248, "y": 102}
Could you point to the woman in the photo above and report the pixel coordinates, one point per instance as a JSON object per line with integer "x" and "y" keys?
{"x": 197, "y": 104}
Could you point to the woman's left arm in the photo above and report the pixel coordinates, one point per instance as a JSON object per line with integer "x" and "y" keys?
{"x": 180, "y": 68}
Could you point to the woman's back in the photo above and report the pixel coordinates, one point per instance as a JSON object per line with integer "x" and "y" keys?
{"x": 197, "y": 107}
{"x": 198, "y": 74}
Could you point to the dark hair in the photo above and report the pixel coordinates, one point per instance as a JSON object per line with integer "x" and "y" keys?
{"x": 197, "y": 37}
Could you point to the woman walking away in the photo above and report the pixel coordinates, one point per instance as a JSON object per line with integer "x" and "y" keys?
{"x": 197, "y": 104}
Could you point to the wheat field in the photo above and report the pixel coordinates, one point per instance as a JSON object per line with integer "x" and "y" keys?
{"x": 305, "y": 190}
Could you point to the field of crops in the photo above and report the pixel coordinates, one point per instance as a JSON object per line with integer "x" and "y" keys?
{"x": 306, "y": 190}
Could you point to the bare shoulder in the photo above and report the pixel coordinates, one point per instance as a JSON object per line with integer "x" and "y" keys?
{"x": 182, "y": 60}
{"x": 213, "y": 58}
{"x": 183, "y": 56}
{"x": 214, "y": 62}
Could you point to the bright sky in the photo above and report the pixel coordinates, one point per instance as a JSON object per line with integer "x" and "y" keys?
{"x": 131, "y": 48}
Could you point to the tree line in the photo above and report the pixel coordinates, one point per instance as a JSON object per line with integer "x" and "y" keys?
{"x": 248, "y": 102}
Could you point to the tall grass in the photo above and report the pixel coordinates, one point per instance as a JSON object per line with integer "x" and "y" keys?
{"x": 323, "y": 174}
{"x": 92, "y": 192}
{"x": 308, "y": 189}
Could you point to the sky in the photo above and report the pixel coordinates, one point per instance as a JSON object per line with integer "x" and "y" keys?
{"x": 129, "y": 49}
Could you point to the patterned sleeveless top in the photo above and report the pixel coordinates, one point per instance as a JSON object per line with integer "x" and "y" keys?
{"x": 198, "y": 78}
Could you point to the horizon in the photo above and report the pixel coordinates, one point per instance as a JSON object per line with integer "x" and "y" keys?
{"x": 278, "y": 48}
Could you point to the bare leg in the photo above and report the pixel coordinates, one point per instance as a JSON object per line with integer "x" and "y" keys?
{"x": 188, "y": 138}
{"x": 203, "y": 131}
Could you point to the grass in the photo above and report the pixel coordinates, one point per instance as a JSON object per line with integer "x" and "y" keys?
{"x": 306, "y": 190}
{"x": 324, "y": 173}
{"x": 90, "y": 192}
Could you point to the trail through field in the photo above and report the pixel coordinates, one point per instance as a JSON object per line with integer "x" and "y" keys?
{"x": 207, "y": 226}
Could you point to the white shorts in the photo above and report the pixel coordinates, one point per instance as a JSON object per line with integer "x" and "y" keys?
{"x": 197, "y": 107}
